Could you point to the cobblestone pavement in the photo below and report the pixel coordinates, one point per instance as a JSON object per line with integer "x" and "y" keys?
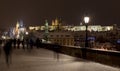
{"x": 44, "y": 60}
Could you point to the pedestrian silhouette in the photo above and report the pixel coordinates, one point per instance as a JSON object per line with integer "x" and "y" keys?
{"x": 0, "y": 46}
{"x": 0, "y": 51}
{"x": 18, "y": 43}
{"x": 40, "y": 44}
{"x": 56, "y": 51}
{"x": 14, "y": 42}
{"x": 37, "y": 43}
{"x": 31, "y": 43}
{"x": 27, "y": 43}
{"x": 7, "y": 51}
{"x": 23, "y": 43}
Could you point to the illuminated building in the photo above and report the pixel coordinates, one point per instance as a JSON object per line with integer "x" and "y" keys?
{"x": 57, "y": 25}
{"x": 72, "y": 35}
{"x": 19, "y": 30}
{"x": 62, "y": 38}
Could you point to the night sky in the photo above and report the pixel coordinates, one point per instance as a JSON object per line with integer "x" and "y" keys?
{"x": 34, "y": 12}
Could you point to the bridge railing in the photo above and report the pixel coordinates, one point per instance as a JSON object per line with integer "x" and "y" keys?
{"x": 108, "y": 57}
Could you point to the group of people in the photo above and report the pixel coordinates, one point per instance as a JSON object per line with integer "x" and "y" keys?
{"x": 56, "y": 49}
{"x": 15, "y": 43}
{"x": 8, "y": 50}
{"x": 26, "y": 44}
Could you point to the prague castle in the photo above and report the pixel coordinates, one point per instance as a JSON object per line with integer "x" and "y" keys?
{"x": 56, "y": 25}
{"x": 71, "y": 35}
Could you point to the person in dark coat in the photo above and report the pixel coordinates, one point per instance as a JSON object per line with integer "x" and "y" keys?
{"x": 37, "y": 42}
{"x": 31, "y": 42}
{"x": 7, "y": 50}
{"x": 27, "y": 43}
{"x": 23, "y": 43}
{"x": 56, "y": 49}
{"x": 14, "y": 42}
{"x": 0, "y": 46}
{"x": 18, "y": 43}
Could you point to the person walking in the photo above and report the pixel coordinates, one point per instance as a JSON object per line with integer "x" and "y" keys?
{"x": 37, "y": 42}
{"x": 27, "y": 43}
{"x": 31, "y": 42}
{"x": 23, "y": 44}
{"x": 56, "y": 51}
{"x": 18, "y": 43}
{"x": 8, "y": 50}
{"x": 14, "y": 42}
{"x": 0, "y": 46}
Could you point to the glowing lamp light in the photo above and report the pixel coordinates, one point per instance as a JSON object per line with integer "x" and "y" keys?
{"x": 108, "y": 28}
{"x": 26, "y": 33}
{"x": 3, "y": 37}
{"x": 86, "y": 19}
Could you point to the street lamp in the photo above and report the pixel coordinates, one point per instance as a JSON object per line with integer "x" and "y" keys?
{"x": 86, "y": 20}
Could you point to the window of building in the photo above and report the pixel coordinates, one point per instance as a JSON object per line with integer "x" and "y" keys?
{"x": 51, "y": 35}
{"x": 67, "y": 35}
{"x": 57, "y": 35}
{"x": 61, "y": 35}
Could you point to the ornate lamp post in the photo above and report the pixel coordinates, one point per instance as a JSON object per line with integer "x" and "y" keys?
{"x": 86, "y": 20}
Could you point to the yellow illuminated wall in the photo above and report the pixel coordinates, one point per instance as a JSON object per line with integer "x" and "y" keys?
{"x": 75, "y": 28}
